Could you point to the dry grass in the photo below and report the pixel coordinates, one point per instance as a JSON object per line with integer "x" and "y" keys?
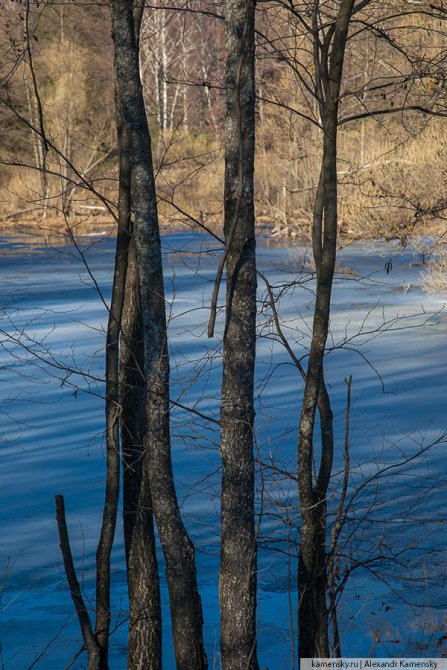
{"x": 400, "y": 189}
{"x": 392, "y": 179}
{"x": 434, "y": 277}
{"x": 19, "y": 190}
{"x": 190, "y": 178}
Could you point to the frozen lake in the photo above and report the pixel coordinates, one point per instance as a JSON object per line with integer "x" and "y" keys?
{"x": 386, "y": 332}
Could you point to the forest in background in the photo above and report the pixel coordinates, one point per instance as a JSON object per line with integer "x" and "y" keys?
{"x": 56, "y": 73}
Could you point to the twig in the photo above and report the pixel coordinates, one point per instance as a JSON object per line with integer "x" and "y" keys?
{"x": 75, "y": 658}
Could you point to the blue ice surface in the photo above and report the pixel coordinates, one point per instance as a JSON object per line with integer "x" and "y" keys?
{"x": 385, "y": 332}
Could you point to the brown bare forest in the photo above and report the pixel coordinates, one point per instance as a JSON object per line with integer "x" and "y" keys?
{"x": 56, "y": 77}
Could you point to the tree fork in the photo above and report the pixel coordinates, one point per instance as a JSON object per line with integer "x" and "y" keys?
{"x": 186, "y": 608}
{"x": 313, "y": 634}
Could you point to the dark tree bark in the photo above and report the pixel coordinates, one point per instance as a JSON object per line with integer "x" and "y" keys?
{"x": 186, "y": 609}
{"x": 144, "y": 641}
{"x": 238, "y": 557}
{"x": 113, "y": 407}
{"x": 313, "y": 634}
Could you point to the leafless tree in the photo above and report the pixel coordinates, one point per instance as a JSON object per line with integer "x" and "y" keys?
{"x": 186, "y": 610}
{"x": 313, "y": 45}
{"x": 238, "y": 554}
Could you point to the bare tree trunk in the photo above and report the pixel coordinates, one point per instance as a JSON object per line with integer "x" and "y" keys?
{"x": 238, "y": 556}
{"x": 186, "y": 609}
{"x": 144, "y": 642}
{"x": 313, "y": 631}
{"x": 113, "y": 408}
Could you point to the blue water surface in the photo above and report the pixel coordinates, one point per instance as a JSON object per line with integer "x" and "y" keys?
{"x": 385, "y": 331}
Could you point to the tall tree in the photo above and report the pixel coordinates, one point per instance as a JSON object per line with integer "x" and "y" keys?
{"x": 127, "y": 413}
{"x": 144, "y": 642}
{"x": 313, "y": 634}
{"x": 238, "y": 553}
{"x": 312, "y": 44}
{"x": 186, "y": 609}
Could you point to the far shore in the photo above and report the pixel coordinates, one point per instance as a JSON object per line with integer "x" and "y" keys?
{"x": 30, "y": 226}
